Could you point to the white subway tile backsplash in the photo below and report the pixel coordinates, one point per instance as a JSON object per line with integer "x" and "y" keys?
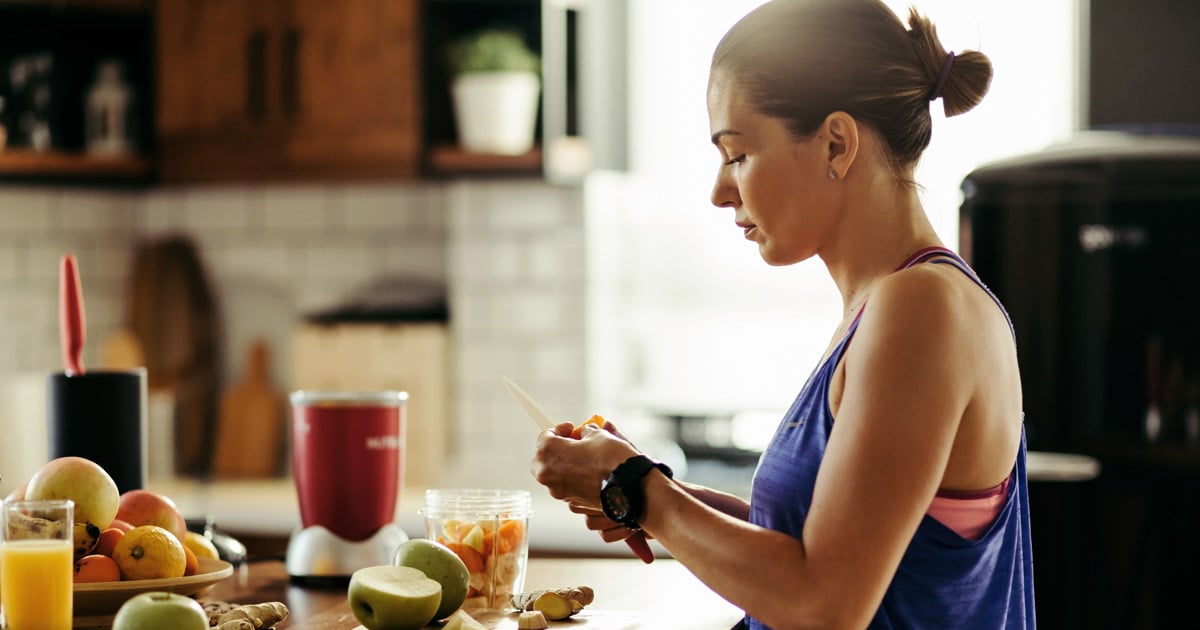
{"x": 389, "y": 207}
{"x": 427, "y": 261}
{"x": 495, "y": 259}
{"x": 289, "y": 208}
{"x": 10, "y": 265}
{"x": 42, "y": 259}
{"x": 111, "y": 261}
{"x": 531, "y": 311}
{"x": 159, "y": 211}
{"x": 95, "y": 211}
{"x": 25, "y": 210}
{"x": 510, "y": 252}
{"x": 223, "y": 210}
{"x": 252, "y": 260}
{"x": 556, "y": 260}
{"x": 347, "y": 263}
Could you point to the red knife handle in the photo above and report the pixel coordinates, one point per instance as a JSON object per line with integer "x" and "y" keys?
{"x": 70, "y": 316}
{"x": 641, "y": 548}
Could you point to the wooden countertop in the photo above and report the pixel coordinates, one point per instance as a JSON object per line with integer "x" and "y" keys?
{"x": 629, "y": 595}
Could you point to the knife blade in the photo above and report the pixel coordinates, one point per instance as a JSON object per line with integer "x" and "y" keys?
{"x": 637, "y": 540}
{"x": 529, "y": 405}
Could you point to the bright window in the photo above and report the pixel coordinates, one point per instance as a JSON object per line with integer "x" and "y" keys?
{"x": 685, "y": 315}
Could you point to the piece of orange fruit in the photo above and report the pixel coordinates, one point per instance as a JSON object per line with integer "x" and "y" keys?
{"x": 596, "y": 420}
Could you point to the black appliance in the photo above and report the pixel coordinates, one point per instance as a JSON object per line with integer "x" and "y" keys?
{"x": 1092, "y": 247}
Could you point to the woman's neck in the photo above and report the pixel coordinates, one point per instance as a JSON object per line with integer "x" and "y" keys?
{"x": 882, "y": 224}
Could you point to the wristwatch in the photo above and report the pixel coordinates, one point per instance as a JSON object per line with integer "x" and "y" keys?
{"x": 622, "y": 496}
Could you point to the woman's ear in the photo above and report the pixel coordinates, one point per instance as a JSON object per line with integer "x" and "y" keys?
{"x": 842, "y": 147}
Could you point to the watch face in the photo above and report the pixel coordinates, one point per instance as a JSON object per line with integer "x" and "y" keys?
{"x": 616, "y": 504}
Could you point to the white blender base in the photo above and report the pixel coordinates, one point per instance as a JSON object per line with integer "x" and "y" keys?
{"x": 317, "y": 552}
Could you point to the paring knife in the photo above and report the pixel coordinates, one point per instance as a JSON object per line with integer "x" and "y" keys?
{"x": 637, "y": 540}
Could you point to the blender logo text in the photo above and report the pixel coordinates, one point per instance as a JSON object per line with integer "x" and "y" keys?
{"x": 383, "y": 443}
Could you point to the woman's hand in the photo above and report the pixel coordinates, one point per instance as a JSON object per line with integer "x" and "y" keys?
{"x": 572, "y": 469}
{"x": 609, "y": 530}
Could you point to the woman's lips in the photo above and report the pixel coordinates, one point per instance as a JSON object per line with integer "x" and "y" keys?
{"x": 748, "y": 229}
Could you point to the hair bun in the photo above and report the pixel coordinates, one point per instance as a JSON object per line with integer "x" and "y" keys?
{"x": 960, "y": 80}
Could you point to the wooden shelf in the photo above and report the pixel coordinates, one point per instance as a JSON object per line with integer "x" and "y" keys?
{"x": 26, "y": 163}
{"x": 452, "y": 160}
{"x": 125, "y": 6}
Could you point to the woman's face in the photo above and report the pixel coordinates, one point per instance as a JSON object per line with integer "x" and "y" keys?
{"x": 778, "y": 187}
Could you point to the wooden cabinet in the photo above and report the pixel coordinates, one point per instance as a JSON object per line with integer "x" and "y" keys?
{"x": 287, "y": 89}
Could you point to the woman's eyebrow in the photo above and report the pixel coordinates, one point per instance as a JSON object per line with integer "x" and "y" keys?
{"x": 716, "y": 137}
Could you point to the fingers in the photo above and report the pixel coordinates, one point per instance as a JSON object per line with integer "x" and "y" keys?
{"x": 579, "y": 508}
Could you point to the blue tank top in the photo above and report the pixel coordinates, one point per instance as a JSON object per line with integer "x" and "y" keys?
{"x": 944, "y": 580}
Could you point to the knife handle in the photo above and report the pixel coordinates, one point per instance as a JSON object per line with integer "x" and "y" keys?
{"x": 641, "y": 548}
{"x": 70, "y": 315}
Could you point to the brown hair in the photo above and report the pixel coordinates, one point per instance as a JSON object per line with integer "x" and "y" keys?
{"x": 801, "y": 60}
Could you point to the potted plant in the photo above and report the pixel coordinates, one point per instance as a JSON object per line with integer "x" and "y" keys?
{"x": 495, "y": 84}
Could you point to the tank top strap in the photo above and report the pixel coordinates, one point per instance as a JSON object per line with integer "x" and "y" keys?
{"x": 941, "y": 255}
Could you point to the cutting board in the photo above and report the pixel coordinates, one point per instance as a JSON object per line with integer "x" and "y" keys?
{"x": 250, "y": 438}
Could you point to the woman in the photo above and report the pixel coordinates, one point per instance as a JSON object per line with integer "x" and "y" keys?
{"x": 893, "y": 494}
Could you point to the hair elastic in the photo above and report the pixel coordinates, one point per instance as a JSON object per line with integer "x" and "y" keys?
{"x": 941, "y": 82}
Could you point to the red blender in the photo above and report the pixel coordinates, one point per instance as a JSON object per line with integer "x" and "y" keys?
{"x": 347, "y": 455}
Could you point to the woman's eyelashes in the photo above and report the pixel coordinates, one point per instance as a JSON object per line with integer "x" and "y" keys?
{"x": 737, "y": 160}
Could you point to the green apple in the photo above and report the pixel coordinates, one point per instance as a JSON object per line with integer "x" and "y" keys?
{"x": 440, "y": 564}
{"x": 82, "y": 481}
{"x": 389, "y": 597}
{"x": 157, "y": 610}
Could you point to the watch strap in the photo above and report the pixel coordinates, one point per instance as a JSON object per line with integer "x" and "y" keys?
{"x": 628, "y": 479}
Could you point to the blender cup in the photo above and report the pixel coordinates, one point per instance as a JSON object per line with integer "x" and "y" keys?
{"x": 489, "y": 530}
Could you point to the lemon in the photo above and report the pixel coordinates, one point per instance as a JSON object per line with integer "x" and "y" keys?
{"x": 201, "y": 546}
{"x": 149, "y": 552}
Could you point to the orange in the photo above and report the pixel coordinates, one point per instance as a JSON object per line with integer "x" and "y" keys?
{"x": 201, "y": 546}
{"x": 191, "y": 565}
{"x": 512, "y": 534}
{"x": 150, "y": 552}
{"x": 108, "y": 541}
{"x": 97, "y": 568}
{"x": 469, "y": 556}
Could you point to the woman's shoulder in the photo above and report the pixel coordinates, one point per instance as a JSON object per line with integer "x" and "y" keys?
{"x": 931, "y": 292}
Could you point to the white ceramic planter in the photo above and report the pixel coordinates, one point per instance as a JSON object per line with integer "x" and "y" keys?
{"x": 496, "y": 112}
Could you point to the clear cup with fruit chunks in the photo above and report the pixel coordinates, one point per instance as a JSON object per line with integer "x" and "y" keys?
{"x": 489, "y": 530}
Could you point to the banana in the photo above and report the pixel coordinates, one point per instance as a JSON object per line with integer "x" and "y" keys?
{"x": 25, "y": 526}
{"x": 86, "y": 536}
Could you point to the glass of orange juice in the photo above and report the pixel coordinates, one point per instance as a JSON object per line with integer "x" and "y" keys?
{"x": 36, "y": 564}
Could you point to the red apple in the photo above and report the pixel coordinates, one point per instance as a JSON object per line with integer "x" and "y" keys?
{"x": 80, "y": 480}
{"x": 18, "y": 493}
{"x": 121, "y": 525}
{"x": 145, "y": 507}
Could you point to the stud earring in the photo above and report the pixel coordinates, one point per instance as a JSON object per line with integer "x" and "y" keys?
{"x": 833, "y": 174}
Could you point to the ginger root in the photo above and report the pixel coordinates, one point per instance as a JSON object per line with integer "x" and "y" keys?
{"x": 258, "y": 616}
{"x": 532, "y": 620}
{"x": 554, "y": 604}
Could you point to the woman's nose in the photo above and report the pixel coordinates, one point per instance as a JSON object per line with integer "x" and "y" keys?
{"x": 724, "y": 192}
